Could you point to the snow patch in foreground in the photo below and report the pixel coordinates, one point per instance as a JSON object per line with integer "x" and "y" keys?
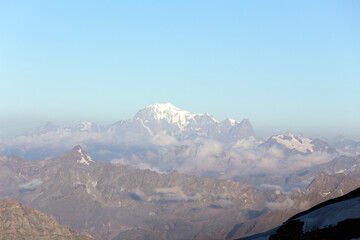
{"x": 331, "y": 214}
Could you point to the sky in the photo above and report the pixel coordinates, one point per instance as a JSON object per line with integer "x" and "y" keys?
{"x": 284, "y": 65}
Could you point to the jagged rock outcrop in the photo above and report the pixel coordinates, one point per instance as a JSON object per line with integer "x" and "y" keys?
{"x": 18, "y": 221}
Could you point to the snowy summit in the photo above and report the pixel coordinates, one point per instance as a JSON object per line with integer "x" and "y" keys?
{"x": 85, "y": 158}
{"x": 166, "y": 112}
{"x": 292, "y": 141}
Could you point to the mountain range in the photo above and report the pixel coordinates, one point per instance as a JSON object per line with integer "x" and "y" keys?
{"x": 113, "y": 201}
{"x": 117, "y": 202}
{"x": 156, "y": 125}
{"x": 165, "y": 138}
{"x": 171, "y": 174}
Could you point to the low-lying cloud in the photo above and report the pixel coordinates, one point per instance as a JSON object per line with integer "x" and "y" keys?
{"x": 211, "y": 158}
{"x": 31, "y": 185}
{"x": 174, "y": 194}
{"x": 288, "y": 203}
{"x": 164, "y": 153}
{"x": 163, "y": 140}
{"x": 138, "y": 195}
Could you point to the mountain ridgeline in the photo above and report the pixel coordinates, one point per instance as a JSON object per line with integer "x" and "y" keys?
{"x": 156, "y": 125}
{"x": 113, "y": 201}
{"x": 165, "y": 138}
{"x": 171, "y": 174}
{"x": 117, "y": 202}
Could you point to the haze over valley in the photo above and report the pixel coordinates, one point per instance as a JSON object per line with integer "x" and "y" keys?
{"x": 167, "y": 171}
{"x": 179, "y": 120}
{"x": 164, "y": 138}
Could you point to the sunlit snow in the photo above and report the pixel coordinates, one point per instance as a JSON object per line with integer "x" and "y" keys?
{"x": 331, "y": 214}
{"x": 85, "y": 158}
{"x": 298, "y": 143}
{"x": 172, "y": 114}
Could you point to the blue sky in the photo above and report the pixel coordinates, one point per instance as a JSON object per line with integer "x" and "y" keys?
{"x": 285, "y": 65}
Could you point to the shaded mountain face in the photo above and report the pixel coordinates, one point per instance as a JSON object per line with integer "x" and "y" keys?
{"x": 346, "y": 146}
{"x": 118, "y": 202}
{"x": 19, "y": 221}
{"x": 112, "y": 201}
{"x": 342, "y": 164}
{"x": 337, "y": 218}
{"x": 321, "y": 189}
{"x": 302, "y": 177}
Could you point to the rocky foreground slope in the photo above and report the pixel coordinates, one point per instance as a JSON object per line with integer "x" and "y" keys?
{"x": 337, "y": 218}
{"x": 18, "y": 221}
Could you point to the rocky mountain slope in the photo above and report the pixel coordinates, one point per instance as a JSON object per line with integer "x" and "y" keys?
{"x": 165, "y": 138}
{"x": 341, "y": 164}
{"x": 113, "y": 201}
{"x": 118, "y": 202}
{"x": 346, "y": 146}
{"x": 18, "y": 221}
{"x": 321, "y": 189}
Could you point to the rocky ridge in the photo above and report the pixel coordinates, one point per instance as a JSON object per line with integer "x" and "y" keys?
{"x": 18, "y": 221}
{"x": 113, "y": 201}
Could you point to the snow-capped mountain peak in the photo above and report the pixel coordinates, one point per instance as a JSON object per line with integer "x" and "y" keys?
{"x": 85, "y": 158}
{"x": 292, "y": 141}
{"x": 230, "y": 121}
{"x": 298, "y": 144}
{"x": 87, "y": 126}
{"x": 165, "y": 112}
{"x": 209, "y": 116}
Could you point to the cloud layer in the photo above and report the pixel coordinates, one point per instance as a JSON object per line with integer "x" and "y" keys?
{"x": 164, "y": 153}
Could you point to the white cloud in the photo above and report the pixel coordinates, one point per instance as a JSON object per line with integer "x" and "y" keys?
{"x": 137, "y": 194}
{"x": 268, "y": 163}
{"x": 209, "y": 148}
{"x": 31, "y": 185}
{"x": 286, "y": 204}
{"x": 163, "y": 153}
{"x": 304, "y": 161}
{"x": 271, "y": 186}
{"x": 246, "y": 143}
{"x": 163, "y": 140}
{"x": 174, "y": 194}
{"x": 276, "y": 152}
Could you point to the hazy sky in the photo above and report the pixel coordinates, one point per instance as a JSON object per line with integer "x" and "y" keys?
{"x": 285, "y": 65}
